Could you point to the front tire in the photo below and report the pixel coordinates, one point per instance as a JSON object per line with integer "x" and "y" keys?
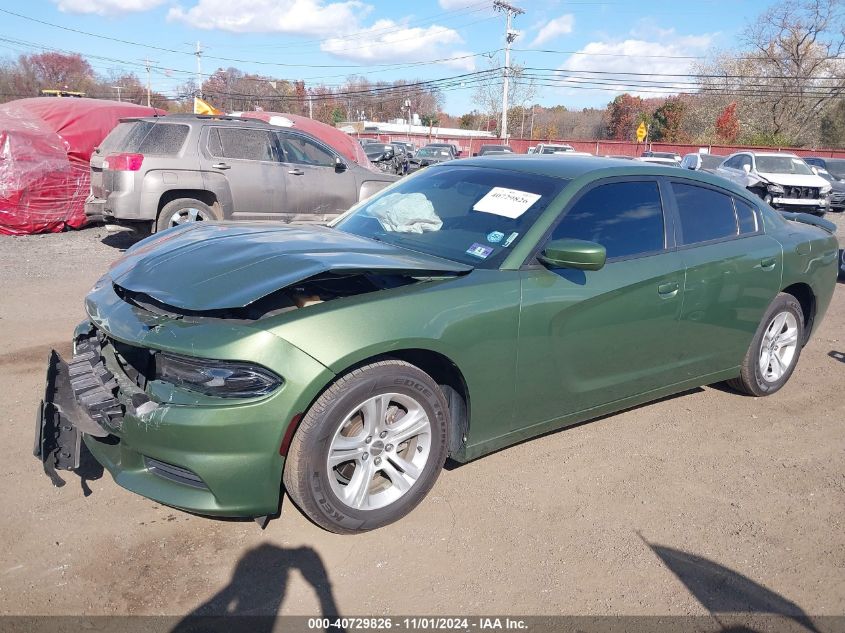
{"x": 369, "y": 449}
{"x": 774, "y": 350}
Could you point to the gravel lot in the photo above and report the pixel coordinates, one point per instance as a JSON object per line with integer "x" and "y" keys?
{"x": 602, "y": 518}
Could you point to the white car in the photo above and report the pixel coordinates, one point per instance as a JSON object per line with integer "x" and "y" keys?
{"x": 783, "y": 180}
{"x": 659, "y": 160}
{"x": 550, "y": 148}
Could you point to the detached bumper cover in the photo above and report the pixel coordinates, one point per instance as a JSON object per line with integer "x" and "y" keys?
{"x": 81, "y": 397}
{"x": 60, "y": 422}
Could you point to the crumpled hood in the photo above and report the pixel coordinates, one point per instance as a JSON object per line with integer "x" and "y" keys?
{"x": 795, "y": 180}
{"x": 203, "y": 266}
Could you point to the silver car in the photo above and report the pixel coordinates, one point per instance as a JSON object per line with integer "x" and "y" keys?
{"x": 158, "y": 172}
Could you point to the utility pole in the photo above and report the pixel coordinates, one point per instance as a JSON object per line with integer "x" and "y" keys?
{"x": 198, "y": 53}
{"x": 118, "y": 88}
{"x": 147, "y": 63}
{"x": 310, "y": 104}
{"x": 510, "y": 35}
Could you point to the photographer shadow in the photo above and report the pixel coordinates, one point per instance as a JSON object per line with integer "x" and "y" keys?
{"x": 253, "y": 598}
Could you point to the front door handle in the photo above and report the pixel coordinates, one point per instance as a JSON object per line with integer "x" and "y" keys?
{"x": 668, "y": 290}
{"x": 768, "y": 263}
{"x": 296, "y": 172}
{"x": 221, "y": 166}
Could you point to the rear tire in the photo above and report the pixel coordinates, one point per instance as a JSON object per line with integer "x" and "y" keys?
{"x": 182, "y": 211}
{"x": 774, "y": 350}
{"x": 369, "y": 449}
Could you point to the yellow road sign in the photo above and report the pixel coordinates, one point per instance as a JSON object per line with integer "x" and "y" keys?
{"x": 641, "y": 132}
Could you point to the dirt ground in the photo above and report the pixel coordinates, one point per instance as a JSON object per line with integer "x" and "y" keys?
{"x": 697, "y": 503}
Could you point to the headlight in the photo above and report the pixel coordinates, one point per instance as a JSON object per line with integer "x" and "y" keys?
{"x": 773, "y": 188}
{"x": 225, "y": 379}
{"x": 825, "y": 190}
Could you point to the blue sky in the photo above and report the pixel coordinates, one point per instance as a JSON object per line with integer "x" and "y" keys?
{"x": 327, "y": 40}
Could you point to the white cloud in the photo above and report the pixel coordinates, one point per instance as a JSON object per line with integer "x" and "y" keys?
{"x": 390, "y": 41}
{"x": 300, "y": 17}
{"x": 106, "y": 7}
{"x": 668, "y": 56}
{"x": 456, "y": 4}
{"x": 552, "y": 29}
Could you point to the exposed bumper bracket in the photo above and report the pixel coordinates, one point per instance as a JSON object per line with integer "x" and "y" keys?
{"x": 60, "y": 422}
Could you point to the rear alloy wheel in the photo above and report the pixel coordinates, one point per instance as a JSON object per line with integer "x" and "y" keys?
{"x": 184, "y": 210}
{"x": 775, "y": 349}
{"x": 369, "y": 449}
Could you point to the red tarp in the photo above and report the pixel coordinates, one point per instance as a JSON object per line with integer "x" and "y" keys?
{"x": 45, "y": 146}
{"x": 331, "y": 136}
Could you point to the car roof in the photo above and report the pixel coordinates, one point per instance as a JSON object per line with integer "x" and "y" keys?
{"x": 183, "y": 119}
{"x": 571, "y": 167}
{"x": 756, "y": 153}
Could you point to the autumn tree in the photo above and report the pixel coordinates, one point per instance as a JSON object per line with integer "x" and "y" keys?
{"x": 727, "y": 124}
{"x": 624, "y": 114}
{"x": 668, "y": 121}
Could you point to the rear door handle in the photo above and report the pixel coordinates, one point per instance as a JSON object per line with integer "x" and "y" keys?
{"x": 769, "y": 263}
{"x": 221, "y": 166}
{"x": 296, "y": 172}
{"x": 668, "y": 290}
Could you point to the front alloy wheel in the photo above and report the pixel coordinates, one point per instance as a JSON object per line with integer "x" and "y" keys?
{"x": 369, "y": 449}
{"x": 379, "y": 451}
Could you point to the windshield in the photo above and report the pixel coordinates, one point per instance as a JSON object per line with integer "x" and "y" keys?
{"x": 432, "y": 152}
{"x": 551, "y": 149}
{"x": 836, "y": 166}
{"x": 783, "y": 165}
{"x": 711, "y": 161}
{"x": 472, "y": 215}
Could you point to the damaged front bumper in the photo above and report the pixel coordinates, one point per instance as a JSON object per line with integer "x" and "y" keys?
{"x": 81, "y": 397}
{"x": 212, "y": 456}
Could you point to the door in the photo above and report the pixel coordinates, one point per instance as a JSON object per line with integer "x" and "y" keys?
{"x": 733, "y": 271}
{"x": 588, "y": 338}
{"x": 247, "y": 160}
{"x": 318, "y": 190}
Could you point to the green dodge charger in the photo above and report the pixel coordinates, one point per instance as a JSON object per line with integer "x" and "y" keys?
{"x": 470, "y": 306}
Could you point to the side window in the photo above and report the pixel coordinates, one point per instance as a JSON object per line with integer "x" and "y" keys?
{"x": 744, "y": 160}
{"x": 164, "y": 139}
{"x": 298, "y": 149}
{"x": 705, "y": 214}
{"x": 245, "y": 144}
{"x": 215, "y": 147}
{"x": 746, "y": 217}
{"x": 624, "y": 217}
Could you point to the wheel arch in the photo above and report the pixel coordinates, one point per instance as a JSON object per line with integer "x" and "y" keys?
{"x": 444, "y": 371}
{"x": 203, "y": 195}
{"x": 805, "y": 296}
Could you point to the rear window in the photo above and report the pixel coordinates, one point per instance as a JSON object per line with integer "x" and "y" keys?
{"x": 746, "y": 217}
{"x": 114, "y": 140}
{"x": 146, "y": 137}
{"x": 705, "y": 214}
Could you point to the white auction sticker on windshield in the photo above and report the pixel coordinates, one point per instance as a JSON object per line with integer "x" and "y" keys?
{"x": 509, "y": 203}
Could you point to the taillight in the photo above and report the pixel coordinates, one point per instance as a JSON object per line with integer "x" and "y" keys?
{"x": 123, "y": 162}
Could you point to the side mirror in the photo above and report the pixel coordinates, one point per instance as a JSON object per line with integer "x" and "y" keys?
{"x": 339, "y": 165}
{"x": 570, "y": 253}
{"x": 814, "y": 169}
{"x": 746, "y": 168}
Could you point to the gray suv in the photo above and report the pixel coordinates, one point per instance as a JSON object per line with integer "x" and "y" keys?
{"x": 159, "y": 172}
